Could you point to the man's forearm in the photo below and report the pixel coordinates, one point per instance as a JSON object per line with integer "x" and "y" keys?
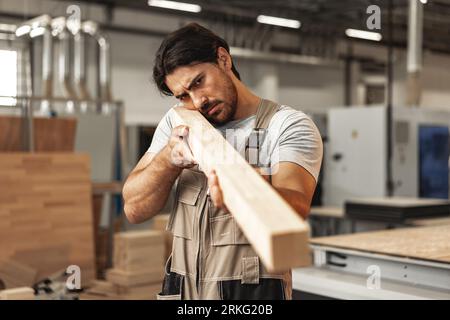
{"x": 297, "y": 200}
{"x": 146, "y": 190}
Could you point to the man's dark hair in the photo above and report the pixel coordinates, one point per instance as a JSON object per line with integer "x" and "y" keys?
{"x": 189, "y": 45}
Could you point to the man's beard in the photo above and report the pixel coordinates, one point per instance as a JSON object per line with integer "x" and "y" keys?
{"x": 227, "y": 109}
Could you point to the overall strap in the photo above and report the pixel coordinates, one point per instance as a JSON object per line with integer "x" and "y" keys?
{"x": 264, "y": 114}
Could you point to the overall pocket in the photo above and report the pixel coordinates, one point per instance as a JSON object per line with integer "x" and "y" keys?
{"x": 225, "y": 231}
{"x": 182, "y": 220}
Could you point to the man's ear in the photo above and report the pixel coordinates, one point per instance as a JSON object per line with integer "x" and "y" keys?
{"x": 223, "y": 59}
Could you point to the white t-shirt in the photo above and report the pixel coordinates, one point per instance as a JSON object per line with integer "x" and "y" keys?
{"x": 291, "y": 137}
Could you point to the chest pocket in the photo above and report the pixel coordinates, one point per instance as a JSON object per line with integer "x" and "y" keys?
{"x": 225, "y": 231}
{"x": 185, "y": 212}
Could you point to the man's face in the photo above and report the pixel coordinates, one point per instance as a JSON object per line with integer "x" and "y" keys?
{"x": 207, "y": 88}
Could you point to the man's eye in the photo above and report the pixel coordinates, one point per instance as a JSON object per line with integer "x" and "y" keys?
{"x": 198, "y": 81}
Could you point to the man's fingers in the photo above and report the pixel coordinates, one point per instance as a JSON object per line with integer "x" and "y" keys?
{"x": 215, "y": 191}
{"x": 180, "y": 131}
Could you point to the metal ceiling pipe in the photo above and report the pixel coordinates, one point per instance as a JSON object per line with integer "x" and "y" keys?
{"x": 40, "y": 26}
{"x": 80, "y": 66}
{"x": 414, "y": 53}
{"x": 60, "y": 31}
{"x": 79, "y": 49}
{"x": 104, "y": 63}
{"x": 36, "y": 27}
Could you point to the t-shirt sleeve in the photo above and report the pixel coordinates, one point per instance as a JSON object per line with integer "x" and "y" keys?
{"x": 162, "y": 133}
{"x": 299, "y": 142}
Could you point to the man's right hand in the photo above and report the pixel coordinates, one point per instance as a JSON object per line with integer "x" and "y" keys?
{"x": 179, "y": 154}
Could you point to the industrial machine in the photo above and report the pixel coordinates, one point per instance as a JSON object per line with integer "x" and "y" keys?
{"x": 356, "y": 158}
{"x": 411, "y": 263}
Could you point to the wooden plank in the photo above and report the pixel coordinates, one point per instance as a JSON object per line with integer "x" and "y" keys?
{"x": 23, "y": 293}
{"x": 47, "y": 223}
{"x": 130, "y": 279}
{"x": 426, "y": 243}
{"x": 329, "y": 212}
{"x": 277, "y": 233}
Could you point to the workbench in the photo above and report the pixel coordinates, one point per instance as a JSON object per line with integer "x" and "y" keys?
{"x": 409, "y": 263}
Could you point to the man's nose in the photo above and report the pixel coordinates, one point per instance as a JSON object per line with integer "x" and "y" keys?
{"x": 199, "y": 101}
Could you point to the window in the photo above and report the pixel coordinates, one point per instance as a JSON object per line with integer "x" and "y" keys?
{"x": 8, "y": 77}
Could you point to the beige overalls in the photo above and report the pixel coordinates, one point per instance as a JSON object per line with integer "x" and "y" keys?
{"x": 211, "y": 258}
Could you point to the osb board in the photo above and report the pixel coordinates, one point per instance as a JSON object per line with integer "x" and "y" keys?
{"x": 50, "y": 134}
{"x": 45, "y": 212}
{"x": 426, "y": 243}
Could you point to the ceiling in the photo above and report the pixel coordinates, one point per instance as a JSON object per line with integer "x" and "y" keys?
{"x": 323, "y": 22}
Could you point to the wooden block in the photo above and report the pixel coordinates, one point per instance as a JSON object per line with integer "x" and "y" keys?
{"x": 153, "y": 254}
{"x": 146, "y": 292}
{"x": 22, "y": 293}
{"x": 129, "y": 279}
{"x": 277, "y": 233}
{"x": 104, "y": 288}
{"x": 15, "y": 274}
{"x": 138, "y": 250}
{"x": 98, "y": 296}
{"x": 141, "y": 238}
{"x": 160, "y": 223}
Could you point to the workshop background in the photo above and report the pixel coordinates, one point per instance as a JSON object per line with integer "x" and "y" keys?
{"x": 78, "y": 109}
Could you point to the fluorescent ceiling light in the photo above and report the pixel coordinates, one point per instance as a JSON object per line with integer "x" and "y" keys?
{"x": 424, "y": 1}
{"x": 276, "y": 21}
{"x": 7, "y": 27}
{"x": 36, "y": 32}
{"x": 361, "y": 34}
{"x": 22, "y": 30}
{"x": 175, "y": 5}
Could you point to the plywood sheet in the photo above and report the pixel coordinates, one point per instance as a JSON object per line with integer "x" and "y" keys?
{"x": 426, "y": 243}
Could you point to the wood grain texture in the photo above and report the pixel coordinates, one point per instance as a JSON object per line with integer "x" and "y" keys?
{"x": 22, "y": 293}
{"x": 139, "y": 250}
{"x": 50, "y": 134}
{"x": 426, "y": 243}
{"x": 160, "y": 223}
{"x": 15, "y": 274}
{"x": 275, "y": 230}
{"x": 45, "y": 212}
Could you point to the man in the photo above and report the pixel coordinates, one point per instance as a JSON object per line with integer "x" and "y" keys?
{"x": 211, "y": 258}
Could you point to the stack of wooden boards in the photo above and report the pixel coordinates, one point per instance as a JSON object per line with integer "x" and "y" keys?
{"x": 46, "y": 213}
{"x": 138, "y": 267}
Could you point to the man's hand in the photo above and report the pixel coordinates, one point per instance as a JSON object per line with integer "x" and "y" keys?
{"x": 179, "y": 153}
{"x": 215, "y": 191}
